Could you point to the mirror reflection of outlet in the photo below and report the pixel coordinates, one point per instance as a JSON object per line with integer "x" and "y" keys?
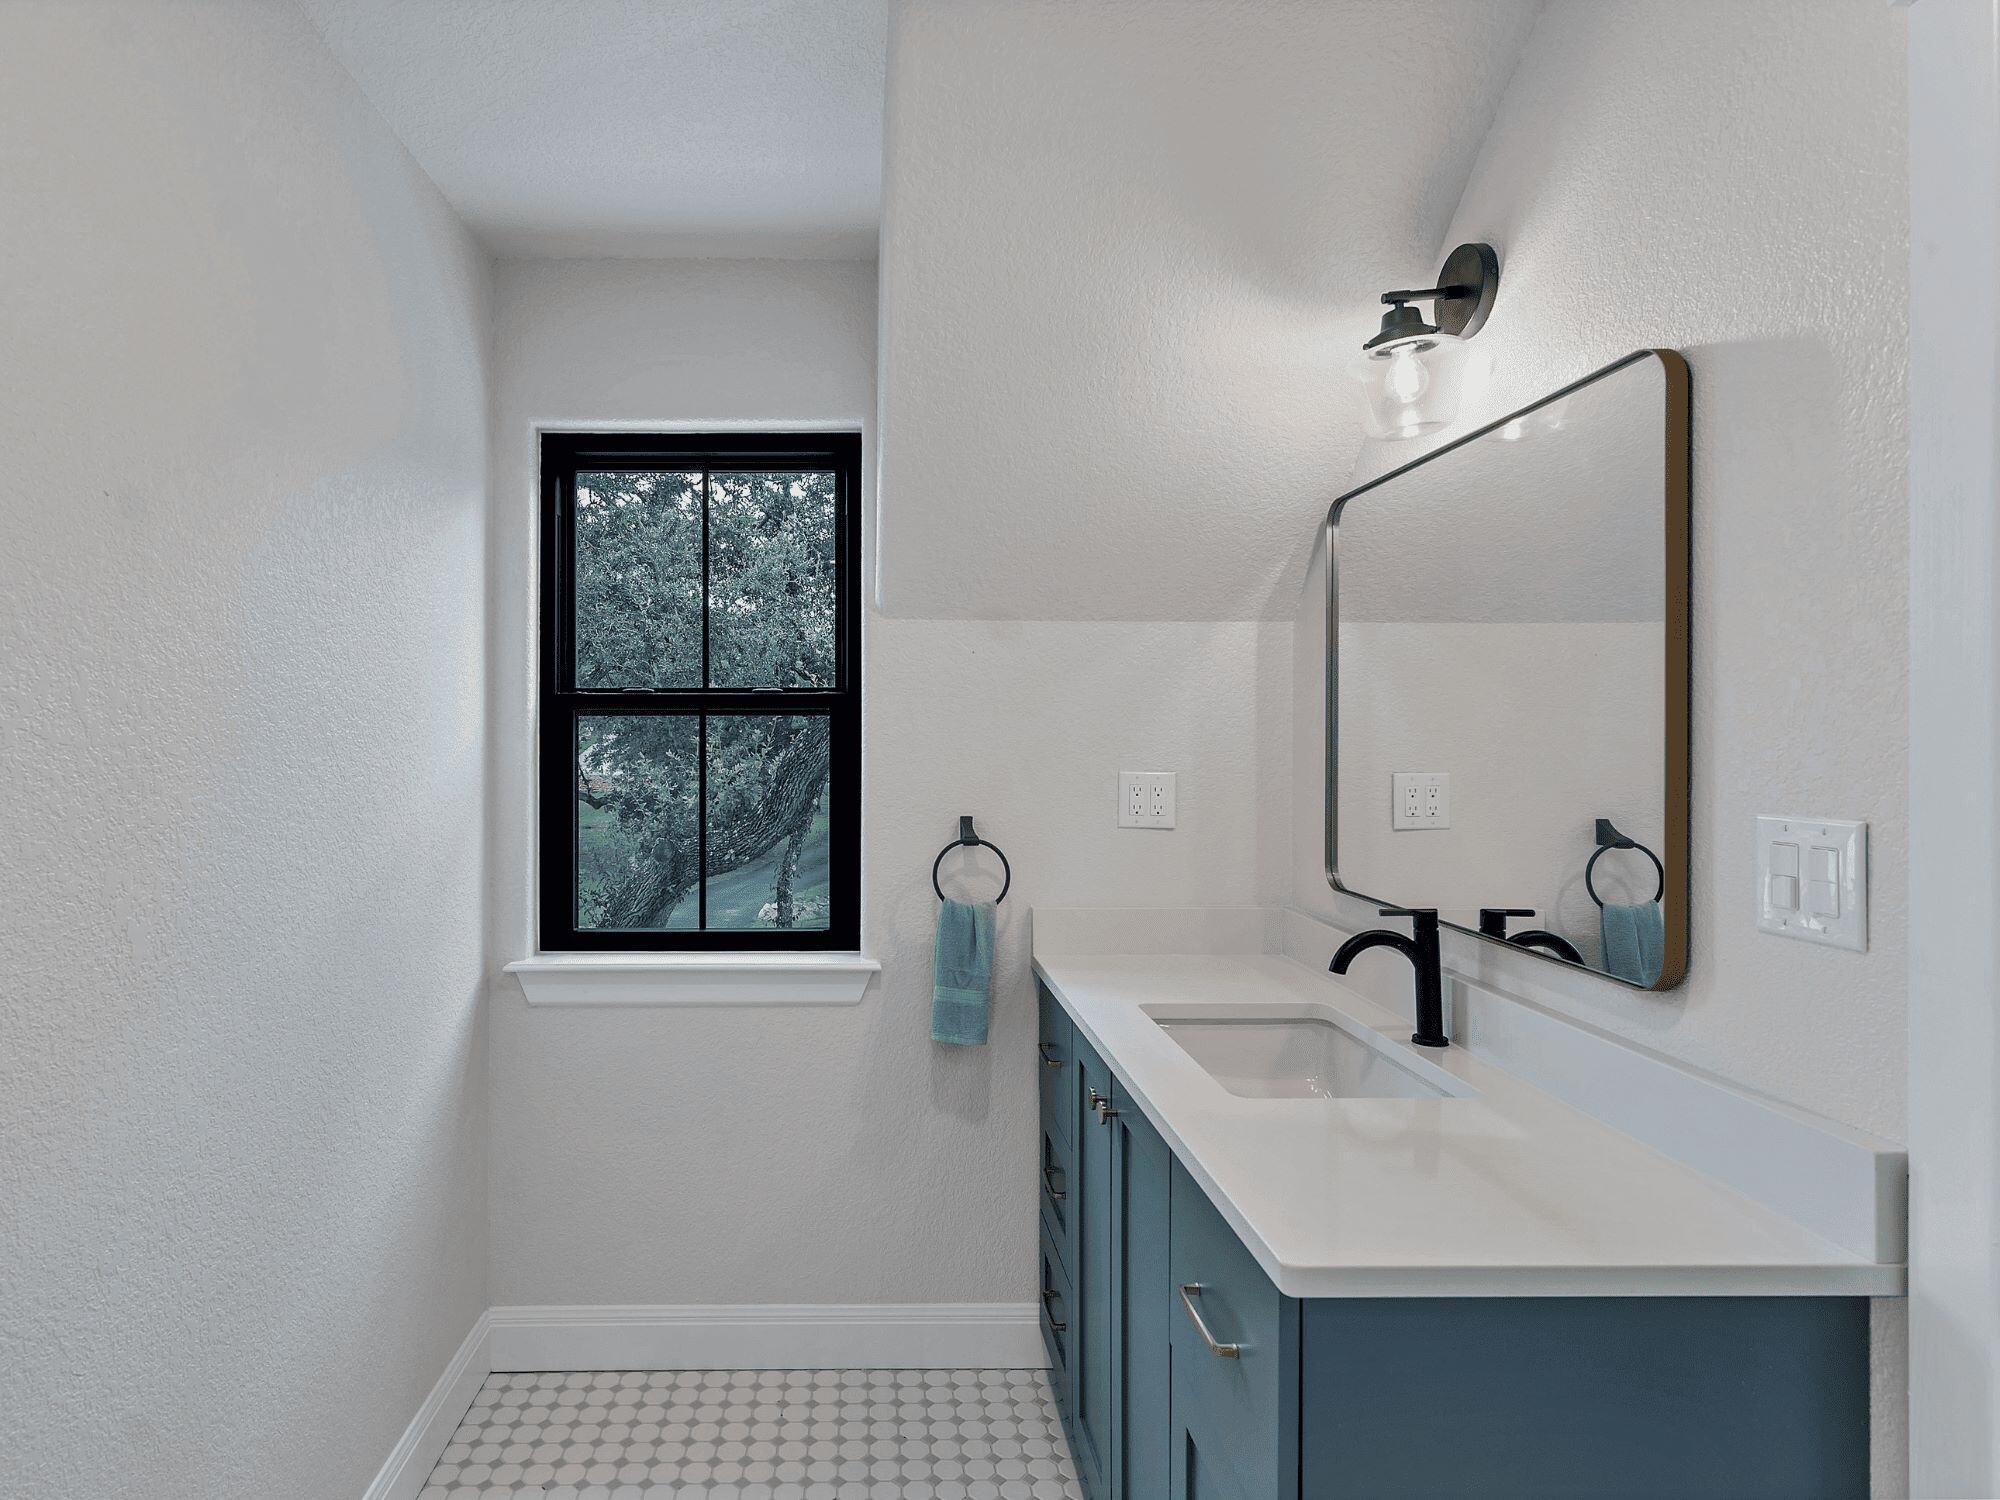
{"x": 1420, "y": 799}
{"x": 1145, "y": 799}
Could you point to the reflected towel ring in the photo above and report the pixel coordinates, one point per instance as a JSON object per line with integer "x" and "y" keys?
{"x": 1609, "y": 838}
{"x": 967, "y": 839}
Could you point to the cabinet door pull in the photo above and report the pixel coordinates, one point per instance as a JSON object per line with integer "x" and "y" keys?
{"x": 1189, "y": 1292}
{"x": 1049, "y": 1295}
{"x": 1047, "y": 1061}
{"x": 1049, "y": 1187}
{"x": 1102, "y": 1104}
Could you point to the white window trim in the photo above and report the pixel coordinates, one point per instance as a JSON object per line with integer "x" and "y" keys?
{"x": 659, "y": 979}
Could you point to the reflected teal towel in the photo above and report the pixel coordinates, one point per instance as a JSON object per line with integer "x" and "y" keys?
{"x": 1635, "y": 941}
{"x": 961, "y": 972}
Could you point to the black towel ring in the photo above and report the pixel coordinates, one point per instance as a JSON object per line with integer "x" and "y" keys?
{"x": 1609, "y": 838}
{"x": 967, "y": 839}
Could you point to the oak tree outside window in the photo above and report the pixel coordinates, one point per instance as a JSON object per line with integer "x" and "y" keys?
{"x": 700, "y": 691}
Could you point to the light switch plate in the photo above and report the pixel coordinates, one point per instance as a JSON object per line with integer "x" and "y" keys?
{"x": 1812, "y": 880}
{"x": 1419, "y": 799}
{"x": 1145, "y": 799}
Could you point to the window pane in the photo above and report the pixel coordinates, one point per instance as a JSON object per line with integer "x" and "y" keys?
{"x": 768, "y": 847}
{"x": 770, "y": 580}
{"x": 636, "y": 793}
{"x": 638, "y": 580}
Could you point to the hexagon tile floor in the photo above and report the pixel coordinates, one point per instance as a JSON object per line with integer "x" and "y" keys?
{"x": 760, "y": 1435}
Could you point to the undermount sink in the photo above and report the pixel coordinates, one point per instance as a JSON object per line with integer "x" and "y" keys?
{"x": 1291, "y": 1057}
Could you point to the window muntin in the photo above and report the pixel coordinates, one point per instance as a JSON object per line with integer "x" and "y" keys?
{"x": 700, "y": 737}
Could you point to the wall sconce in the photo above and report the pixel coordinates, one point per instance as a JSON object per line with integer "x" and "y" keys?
{"x": 1413, "y": 372}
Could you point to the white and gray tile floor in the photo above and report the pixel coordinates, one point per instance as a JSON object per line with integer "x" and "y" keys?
{"x": 760, "y": 1435}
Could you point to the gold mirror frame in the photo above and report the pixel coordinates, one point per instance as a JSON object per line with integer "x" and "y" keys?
{"x": 1676, "y": 546}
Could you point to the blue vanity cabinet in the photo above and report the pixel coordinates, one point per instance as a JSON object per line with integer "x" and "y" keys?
{"x": 1234, "y": 1362}
{"x": 1503, "y": 1398}
{"x": 1141, "y": 1185}
{"x": 1578, "y": 1398}
{"x": 1108, "y": 1284}
{"x": 1093, "y": 1379}
{"x": 1056, "y": 1063}
{"x": 1183, "y": 1372}
{"x": 1057, "y": 1195}
{"x": 1058, "y": 1317}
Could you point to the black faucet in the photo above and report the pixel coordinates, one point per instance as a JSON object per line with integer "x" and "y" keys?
{"x": 1493, "y": 924}
{"x": 1421, "y": 949}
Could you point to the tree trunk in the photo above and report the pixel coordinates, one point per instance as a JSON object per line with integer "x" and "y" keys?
{"x": 788, "y": 867}
{"x": 646, "y": 898}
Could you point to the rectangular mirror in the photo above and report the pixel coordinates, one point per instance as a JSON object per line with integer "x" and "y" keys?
{"x": 1507, "y": 678}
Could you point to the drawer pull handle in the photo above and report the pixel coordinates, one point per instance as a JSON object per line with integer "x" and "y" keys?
{"x": 1049, "y": 1295}
{"x": 1102, "y": 1104}
{"x": 1049, "y": 1187}
{"x": 1189, "y": 1292}
{"x": 1047, "y": 1061}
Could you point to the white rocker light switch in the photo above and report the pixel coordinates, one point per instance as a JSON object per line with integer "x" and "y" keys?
{"x": 1812, "y": 880}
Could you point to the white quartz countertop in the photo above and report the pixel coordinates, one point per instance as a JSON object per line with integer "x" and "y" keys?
{"x": 1509, "y": 1192}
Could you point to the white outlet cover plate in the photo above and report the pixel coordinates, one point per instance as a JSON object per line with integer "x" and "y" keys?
{"x": 1426, "y": 788}
{"x": 1791, "y": 902}
{"x": 1146, "y": 799}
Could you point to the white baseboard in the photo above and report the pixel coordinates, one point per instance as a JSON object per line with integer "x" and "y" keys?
{"x": 864, "y": 1336}
{"x": 416, "y": 1452}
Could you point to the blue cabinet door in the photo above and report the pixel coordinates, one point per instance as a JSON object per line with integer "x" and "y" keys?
{"x": 1234, "y": 1364}
{"x": 1578, "y": 1398}
{"x": 1199, "y": 1474}
{"x": 1058, "y": 1320}
{"x": 1093, "y": 1389}
{"x": 1141, "y": 1170}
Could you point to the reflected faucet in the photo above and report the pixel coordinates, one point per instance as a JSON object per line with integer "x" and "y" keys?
{"x": 1421, "y": 949}
{"x": 1493, "y": 924}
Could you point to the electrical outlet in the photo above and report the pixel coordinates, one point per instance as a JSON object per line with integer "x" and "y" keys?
{"x": 1419, "y": 799}
{"x": 1145, "y": 799}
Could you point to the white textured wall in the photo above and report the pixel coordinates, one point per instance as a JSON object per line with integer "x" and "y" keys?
{"x": 836, "y": 1155}
{"x": 241, "y": 709}
{"x": 1122, "y": 244}
{"x": 1728, "y": 179}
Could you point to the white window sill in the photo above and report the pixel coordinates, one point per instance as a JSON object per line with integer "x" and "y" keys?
{"x": 694, "y": 978}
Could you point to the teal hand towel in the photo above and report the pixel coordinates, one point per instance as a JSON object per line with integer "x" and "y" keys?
{"x": 1635, "y": 942}
{"x": 961, "y": 972}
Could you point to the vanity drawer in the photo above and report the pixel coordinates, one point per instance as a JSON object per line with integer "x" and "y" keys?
{"x": 1058, "y": 1196}
{"x": 1235, "y": 1413}
{"x": 1058, "y": 1314}
{"x": 1055, "y": 1063}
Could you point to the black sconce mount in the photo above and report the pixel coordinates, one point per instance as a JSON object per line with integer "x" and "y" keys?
{"x": 1460, "y": 302}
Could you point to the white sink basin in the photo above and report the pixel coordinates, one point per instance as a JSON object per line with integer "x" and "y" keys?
{"x": 1261, "y": 1056}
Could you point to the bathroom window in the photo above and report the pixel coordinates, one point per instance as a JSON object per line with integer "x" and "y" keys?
{"x": 700, "y": 692}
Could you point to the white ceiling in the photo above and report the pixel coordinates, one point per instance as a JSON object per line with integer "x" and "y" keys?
{"x": 634, "y": 127}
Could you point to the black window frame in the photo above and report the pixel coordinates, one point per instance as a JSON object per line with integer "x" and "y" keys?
{"x": 563, "y": 456}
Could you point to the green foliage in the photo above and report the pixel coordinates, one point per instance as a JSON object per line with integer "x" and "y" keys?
{"x": 638, "y": 580}
{"x": 771, "y": 598}
{"x": 772, "y": 623}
